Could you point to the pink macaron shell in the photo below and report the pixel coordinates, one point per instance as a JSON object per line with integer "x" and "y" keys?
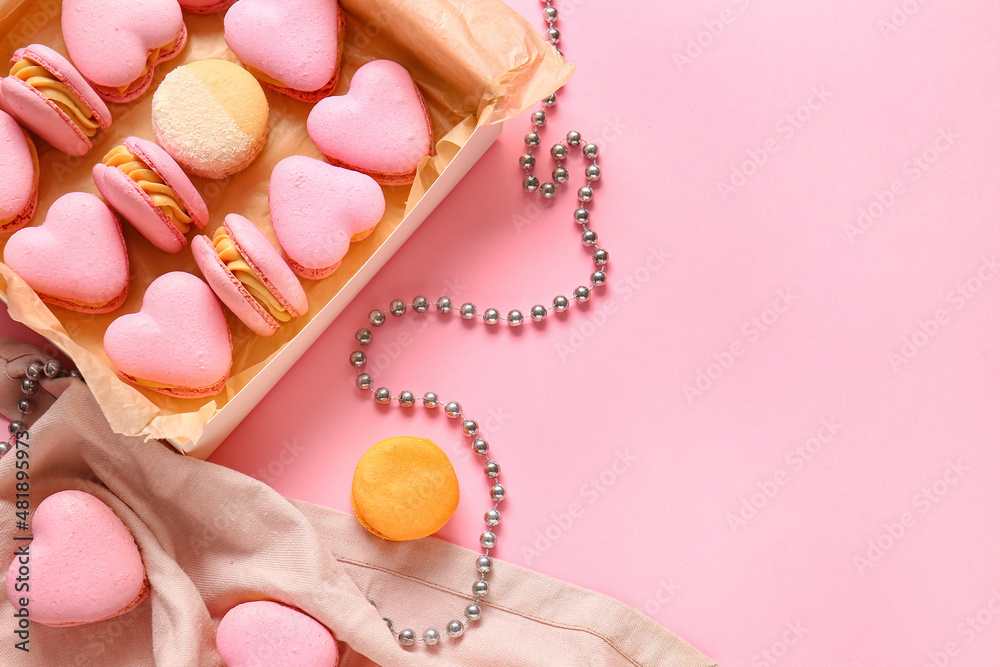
{"x": 179, "y": 338}
{"x": 380, "y": 126}
{"x": 230, "y": 290}
{"x": 126, "y": 197}
{"x": 64, "y": 71}
{"x": 18, "y": 188}
{"x": 317, "y": 208}
{"x": 85, "y": 566}
{"x": 172, "y": 174}
{"x": 269, "y": 633}
{"x": 205, "y": 6}
{"x": 110, "y": 40}
{"x": 267, "y": 263}
{"x": 138, "y": 88}
{"x": 301, "y": 50}
{"x": 35, "y": 112}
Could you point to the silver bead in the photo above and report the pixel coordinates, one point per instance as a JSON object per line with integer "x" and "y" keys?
{"x": 488, "y": 539}
{"x": 514, "y": 318}
{"x": 364, "y": 381}
{"x": 407, "y": 637}
{"x": 589, "y": 237}
{"x": 358, "y": 359}
{"x": 592, "y": 172}
{"x": 538, "y": 118}
{"x": 598, "y": 278}
{"x": 4, "y": 448}
{"x": 491, "y": 316}
{"x": 498, "y": 493}
{"x": 550, "y": 101}
{"x": 25, "y": 408}
{"x": 376, "y": 318}
{"x": 15, "y": 426}
{"x": 550, "y": 13}
{"x": 455, "y": 629}
{"x": 75, "y": 373}
{"x": 585, "y": 194}
{"x": 420, "y": 304}
{"x": 34, "y": 371}
{"x": 548, "y": 190}
{"x": 363, "y": 336}
{"x": 581, "y": 293}
{"x": 532, "y": 139}
{"x": 492, "y": 518}
{"x": 530, "y": 183}
{"x": 538, "y": 312}
{"x": 560, "y": 174}
{"x": 406, "y": 399}
{"x": 573, "y": 138}
{"x": 560, "y": 304}
{"x": 590, "y": 151}
{"x": 480, "y": 446}
{"x": 397, "y": 307}
{"x": 481, "y": 588}
{"x": 581, "y": 215}
{"x": 527, "y": 160}
{"x": 431, "y": 637}
{"x": 383, "y": 395}
{"x": 28, "y": 387}
{"x": 492, "y": 468}
{"x": 559, "y": 152}
{"x": 484, "y": 564}
{"x": 53, "y": 368}
{"x": 552, "y": 34}
{"x": 444, "y": 304}
{"x": 453, "y": 409}
{"x": 470, "y": 427}
{"x": 430, "y": 400}
{"x": 473, "y": 612}
{"x": 468, "y": 311}
{"x": 601, "y": 256}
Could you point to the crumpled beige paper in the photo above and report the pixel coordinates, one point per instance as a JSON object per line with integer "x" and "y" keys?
{"x": 476, "y": 62}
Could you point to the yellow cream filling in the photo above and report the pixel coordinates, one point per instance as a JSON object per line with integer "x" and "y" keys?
{"x": 267, "y": 79}
{"x": 58, "y": 92}
{"x": 150, "y": 59}
{"x": 163, "y": 195}
{"x": 245, "y": 274}
{"x": 34, "y": 163}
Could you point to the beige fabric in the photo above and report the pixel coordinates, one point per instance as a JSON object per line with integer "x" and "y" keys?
{"x": 212, "y": 538}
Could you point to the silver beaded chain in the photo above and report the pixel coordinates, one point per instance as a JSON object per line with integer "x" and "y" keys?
{"x": 491, "y": 316}
{"x": 29, "y": 387}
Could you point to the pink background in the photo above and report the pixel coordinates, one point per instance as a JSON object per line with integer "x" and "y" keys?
{"x": 774, "y": 431}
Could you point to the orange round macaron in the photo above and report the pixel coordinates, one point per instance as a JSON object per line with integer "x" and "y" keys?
{"x": 404, "y": 488}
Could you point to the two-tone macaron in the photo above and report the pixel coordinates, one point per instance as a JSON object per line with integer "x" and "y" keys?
{"x": 47, "y": 95}
{"x": 150, "y": 190}
{"x": 249, "y": 275}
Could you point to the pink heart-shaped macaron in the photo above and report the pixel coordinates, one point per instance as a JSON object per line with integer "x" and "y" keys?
{"x": 318, "y": 209}
{"x": 178, "y": 343}
{"x": 268, "y": 633}
{"x": 81, "y": 566}
{"x": 76, "y": 258}
{"x": 294, "y": 42}
{"x": 18, "y": 176}
{"x": 379, "y": 127}
{"x": 110, "y": 41}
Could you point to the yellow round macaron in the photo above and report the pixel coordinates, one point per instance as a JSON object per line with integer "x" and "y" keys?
{"x": 404, "y": 488}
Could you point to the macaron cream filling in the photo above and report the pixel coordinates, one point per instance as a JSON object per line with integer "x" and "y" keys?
{"x": 150, "y": 59}
{"x": 59, "y": 93}
{"x": 243, "y": 272}
{"x": 162, "y": 195}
